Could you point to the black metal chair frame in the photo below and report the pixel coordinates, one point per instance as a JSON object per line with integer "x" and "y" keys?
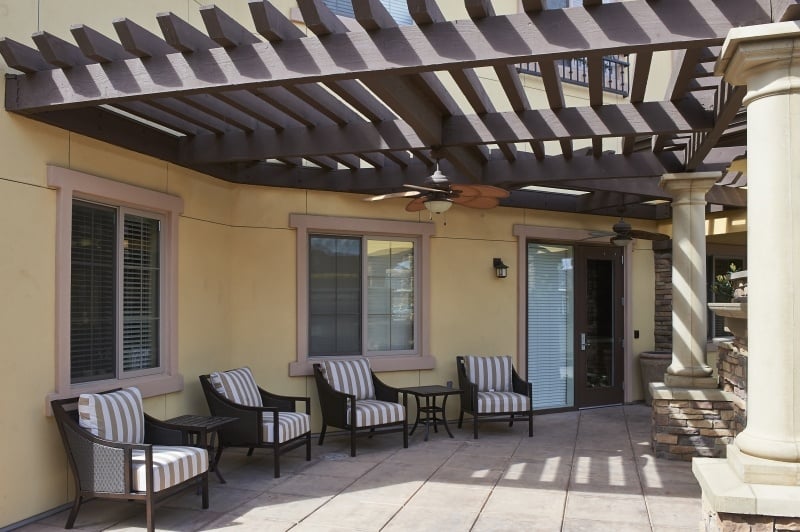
{"x": 248, "y": 429}
{"x": 469, "y": 401}
{"x": 334, "y": 405}
{"x": 104, "y": 469}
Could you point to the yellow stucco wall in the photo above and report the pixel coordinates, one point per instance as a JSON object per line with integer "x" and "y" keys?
{"x": 236, "y": 280}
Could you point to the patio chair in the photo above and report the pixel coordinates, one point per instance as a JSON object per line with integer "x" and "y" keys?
{"x": 491, "y": 390}
{"x": 352, "y": 398}
{"x": 264, "y": 420}
{"x": 116, "y": 451}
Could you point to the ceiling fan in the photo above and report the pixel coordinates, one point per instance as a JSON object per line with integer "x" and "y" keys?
{"x": 438, "y": 195}
{"x": 623, "y": 233}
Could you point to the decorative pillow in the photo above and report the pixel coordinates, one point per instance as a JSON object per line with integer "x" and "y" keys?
{"x": 116, "y": 416}
{"x": 350, "y": 376}
{"x": 238, "y": 385}
{"x": 490, "y": 374}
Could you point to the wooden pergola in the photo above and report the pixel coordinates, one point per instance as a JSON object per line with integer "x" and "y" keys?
{"x": 362, "y": 107}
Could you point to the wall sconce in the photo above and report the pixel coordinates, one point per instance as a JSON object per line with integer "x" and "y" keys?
{"x": 500, "y": 269}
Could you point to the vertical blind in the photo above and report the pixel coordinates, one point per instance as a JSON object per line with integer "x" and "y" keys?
{"x": 551, "y": 325}
{"x": 390, "y": 295}
{"x": 397, "y": 8}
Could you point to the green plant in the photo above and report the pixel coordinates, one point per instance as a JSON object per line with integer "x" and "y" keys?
{"x": 722, "y": 287}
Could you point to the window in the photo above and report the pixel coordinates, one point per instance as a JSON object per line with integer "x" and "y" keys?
{"x": 361, "y": 291}
{"x": 397, "y": 8}
{"x": 116, "y": 254}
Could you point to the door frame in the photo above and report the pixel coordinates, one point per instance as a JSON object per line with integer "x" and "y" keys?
{"x": 572, "y": 236}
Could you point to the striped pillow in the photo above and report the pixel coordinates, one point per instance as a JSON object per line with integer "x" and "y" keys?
{"x": 238, "y": 385}
{"x": 490, "y": 374}
{"x": 116, "y": 416}
{"x": 350, "y": 376}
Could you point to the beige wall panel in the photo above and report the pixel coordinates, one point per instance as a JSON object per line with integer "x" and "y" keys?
{"x": 205, "y": 197}
{"x": 104, "y": 160}
{"x": 481, "y": 224}
{"x": 642, "y": 297}
{"x": 264, "y": 312}
{"x": 18, "y": 20}
{"x": 32, "y": 449}
{"x": 267, "y": 207}
{"x": 327, "y": 204}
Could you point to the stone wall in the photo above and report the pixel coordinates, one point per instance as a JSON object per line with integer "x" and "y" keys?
{"x": 732, "y": 368}
{"x": 662, "y": 330}
{"x": 684, "y": 427}
{"x": 726, "y": 522}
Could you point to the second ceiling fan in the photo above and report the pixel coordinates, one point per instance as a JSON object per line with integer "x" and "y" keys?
{"x": 438, "y": 194}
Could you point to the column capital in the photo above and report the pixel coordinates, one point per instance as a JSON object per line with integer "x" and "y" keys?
{"x": 756, "y": 51}
{"x": 689, "y": 181}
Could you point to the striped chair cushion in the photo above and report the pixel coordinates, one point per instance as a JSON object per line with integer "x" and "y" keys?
{"x": 370, "y": 412}
{"x": 490, "y": 374}
{"x": 350, "y": 376}
{"x": 290, "y": 426}
{"x": 116, "y": 416}
{"x": 171, "y": 465}
{"x": 502, "y": 402}
{"x": 238, "y": 385}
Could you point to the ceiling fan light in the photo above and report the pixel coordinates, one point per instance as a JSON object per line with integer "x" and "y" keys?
{"x": 438, "y": 206}
{"x": 621, "y": 240}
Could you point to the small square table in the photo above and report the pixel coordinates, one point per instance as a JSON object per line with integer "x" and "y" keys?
{"x": 201, "y": 427}
{"x": 431, "y": 410}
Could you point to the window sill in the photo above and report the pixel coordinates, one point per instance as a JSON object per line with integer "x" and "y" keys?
{"x": 377, "y": 364}
{"x": 150, "y": 386}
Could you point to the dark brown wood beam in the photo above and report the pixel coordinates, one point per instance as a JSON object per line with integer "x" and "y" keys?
{"x": 730, "y": 102}
{"x": 501, "y": 39}
{"x": 211, "y": 106}
{"x": 641, "y": 74}
{"x": 271, "y": 23}
{"x": 189, "y": 114}
{"x": 183, "y": 36}
{"x": 249, "y": 104}
{"x": 97, "y": 46}
{"x": 139, "y": 41}
{"x": 59, "y": 52}
{"x": 224, "y": 29}
{"x": 22, "y": 57}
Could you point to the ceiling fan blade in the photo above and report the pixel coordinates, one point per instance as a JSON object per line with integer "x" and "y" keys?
{"x": 428, "y": 189}
{"x": 476, "y": 202}
{"x": 647, "y": 235}
{"x": 409, "y": 194}
{"x": 417, "y": 204}
{"x": 481, "y": 190}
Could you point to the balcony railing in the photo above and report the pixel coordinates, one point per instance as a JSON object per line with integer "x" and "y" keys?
{"x": 576, "y": 71}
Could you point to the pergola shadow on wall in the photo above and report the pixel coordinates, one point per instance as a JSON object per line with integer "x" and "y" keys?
{"x": 363, "y": 108}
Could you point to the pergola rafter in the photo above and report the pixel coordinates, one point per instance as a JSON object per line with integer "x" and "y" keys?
{"x": 365, "y": 101}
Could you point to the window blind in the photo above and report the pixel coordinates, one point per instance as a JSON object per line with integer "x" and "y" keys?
{"x": 397, "y": 8}
{"x": 390, "y": 295}
{"x": 550, "y": 325}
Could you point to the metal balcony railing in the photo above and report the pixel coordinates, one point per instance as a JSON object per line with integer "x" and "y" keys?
{"x": 576, "y": 71}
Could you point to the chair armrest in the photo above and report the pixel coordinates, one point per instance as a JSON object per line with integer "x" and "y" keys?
{"x": 284, "y": 403}
{"x": 520, "y": 386}
{"x": 333, "y": 403}
{"x": 469, "y": 390}
{"x": 160, "y": 432}
{"x": 384, "y": 392}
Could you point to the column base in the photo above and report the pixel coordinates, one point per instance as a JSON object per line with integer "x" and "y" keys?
{"x": 681, "y": 381}
{"x": 726, "y": 492}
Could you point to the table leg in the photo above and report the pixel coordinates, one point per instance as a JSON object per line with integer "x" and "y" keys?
{"x": 444, "y": 416}
{"x": 217, "y": 450}
{"x": 416, "y": 421}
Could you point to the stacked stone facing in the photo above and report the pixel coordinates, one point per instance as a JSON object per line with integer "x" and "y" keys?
{"x": 683, "y": 429}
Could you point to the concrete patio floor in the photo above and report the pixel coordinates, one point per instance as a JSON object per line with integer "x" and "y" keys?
{"x": 591, "y": 470}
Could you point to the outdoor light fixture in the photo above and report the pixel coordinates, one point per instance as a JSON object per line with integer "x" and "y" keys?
{"x": 620, "y": 240}
{"x": 500, "y": 269}
{"x": 437, "y": 206}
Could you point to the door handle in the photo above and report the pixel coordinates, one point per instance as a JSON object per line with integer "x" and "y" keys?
{"x": 584, "y": 343}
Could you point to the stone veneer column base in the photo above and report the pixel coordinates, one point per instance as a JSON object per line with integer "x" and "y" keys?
{"x": 731, "y": 504}
{"x": 691, "y": 422}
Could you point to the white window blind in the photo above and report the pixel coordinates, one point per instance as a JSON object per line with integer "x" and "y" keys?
{"x": 397, "y": 8}
{"x": 390, "y": 295}
{"x": 551, "y": 325}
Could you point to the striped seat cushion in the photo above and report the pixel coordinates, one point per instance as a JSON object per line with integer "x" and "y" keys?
{"x": 490, "y": 374}
{"x": 502, "y": 402}
{"x": 117, "y": 416}
{"x": 370, "y": 412}
{"x": 290, "y": 426}
{"x": 171, "y": 466}
{"x": 238, "y": 385}
{"x": 350, "y": 376}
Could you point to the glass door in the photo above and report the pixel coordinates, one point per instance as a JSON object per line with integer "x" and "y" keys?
{"x": 598, "y": 326}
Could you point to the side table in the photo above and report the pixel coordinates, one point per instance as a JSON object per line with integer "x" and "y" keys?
{"x": 205, "y": 428}
{"x": 431, "y": 410}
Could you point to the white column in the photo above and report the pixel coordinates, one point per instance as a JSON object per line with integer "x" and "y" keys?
{"x": 767, "y": 59}
{"x": 689, "y": 368}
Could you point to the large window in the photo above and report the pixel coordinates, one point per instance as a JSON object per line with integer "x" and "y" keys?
{"x": 116, "y": 276}
{"x": 361, "y": 291}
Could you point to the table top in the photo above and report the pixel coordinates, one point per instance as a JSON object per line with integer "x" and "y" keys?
{"x": 430, "y": 390}
{"x": 204, "y": 422}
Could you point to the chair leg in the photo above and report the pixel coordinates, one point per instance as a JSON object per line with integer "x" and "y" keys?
{"x": 322, "y": 433}
{"x": 405, "y": 434}
{"x": 460, "y": 419}
{"x": 204, "y": 489}
{"x": 475, "y": 426}
{"x": 353, "y": 440}
{"x": 151, "y": 525}
{"x": 530, "y": 424}
{"x": 276, "y": 452}
{"x": 308, "y": 446}
{"x": 250, "y": 451}
{"x": 73, "y": 514}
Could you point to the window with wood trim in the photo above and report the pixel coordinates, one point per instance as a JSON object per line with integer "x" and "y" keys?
{"x": 362, "y": 291}
{"x": 116, "y": 277}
